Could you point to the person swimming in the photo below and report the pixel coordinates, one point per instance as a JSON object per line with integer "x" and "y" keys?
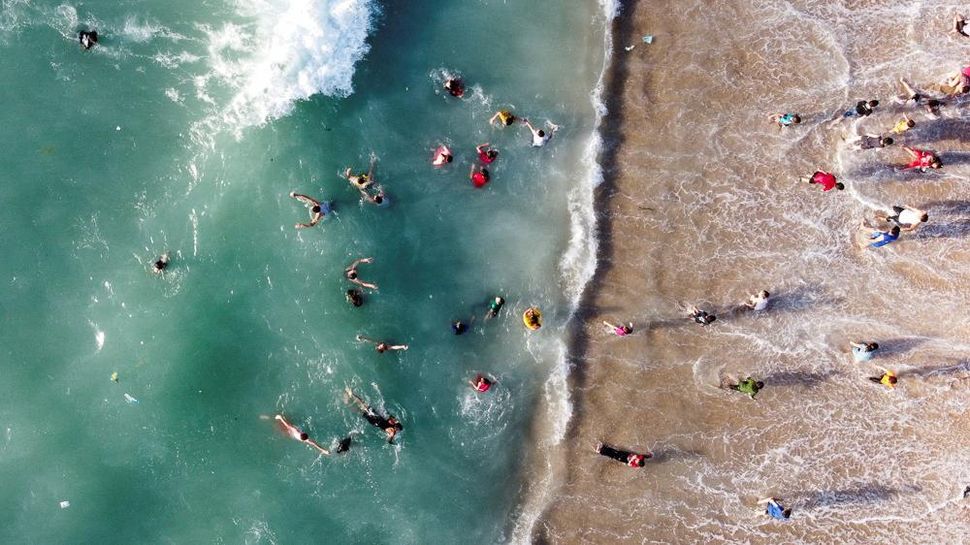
{"x": 350, "y": 273}
{"x": 455, "y": 87}
{"x": 388, "y": 423}
{"x": 318, "y": 210}
{"x": 361, "y": 181}
{"x": 442, "y": 156}
{"x": 701, "y": 316}
{"x": 486, "y": 153}
{"x": 355, "y": 297}
{"x": 786, "y": 120}
{"x": 459, "y": 327}
{"x": 504, "y": 117}
{"x": 481, "y": 384}
{"x": 298, "y": 434}
{"x": 494, "y": 306}
{"x": 631, "y": 459}
{"x": 619, "y": 330}
{"x": 88, "y": 38}
{"x": 160, "y": 264}
{"x": 539, "y": 136}
{"x": 882, "y": 238}
{"x": 479, "y": 176}
{"x": 381, "y": 346}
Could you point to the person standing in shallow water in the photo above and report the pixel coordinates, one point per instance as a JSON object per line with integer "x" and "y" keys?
{"x": 757, "y": 302}
{"x": 775, "y": 509}
{"x": 863, "y": 351}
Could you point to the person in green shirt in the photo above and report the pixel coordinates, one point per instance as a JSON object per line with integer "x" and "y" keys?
{"x": 748, "y": 386}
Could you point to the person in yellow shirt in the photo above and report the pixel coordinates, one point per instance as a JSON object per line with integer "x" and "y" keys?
{"x": 903, "y": 125}
{"x": 887, "y": 379}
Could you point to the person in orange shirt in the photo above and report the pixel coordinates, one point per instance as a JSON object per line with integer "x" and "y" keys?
{"x": 888, "y": 378}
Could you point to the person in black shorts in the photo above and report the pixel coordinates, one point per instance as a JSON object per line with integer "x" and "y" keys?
{"x": 388, "y": 423}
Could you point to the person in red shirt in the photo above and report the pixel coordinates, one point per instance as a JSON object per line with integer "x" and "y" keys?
{"x": 486, "y": 153}
{"x": 631, "y": 459}
{"x": 478, "y": 176}
{"x": 826, "y": 180}
{"x": 481, "y": 384}
{"x": 922, "y": 159}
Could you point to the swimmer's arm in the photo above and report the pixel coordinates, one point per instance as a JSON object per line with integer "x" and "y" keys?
{"x": 494, "y": 117}
{"x": 363, "y": 339}
{"x": 398, "y": 347}
{"x": 856, "y": 345}
{"x": 480, "y": 147}
{"x": 305, "y": 199}
{"x": 363, "y": 284}
{"x": 314, "y": 444}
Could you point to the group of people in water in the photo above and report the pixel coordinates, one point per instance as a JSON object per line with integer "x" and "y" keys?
{"x": 887, "y": 226}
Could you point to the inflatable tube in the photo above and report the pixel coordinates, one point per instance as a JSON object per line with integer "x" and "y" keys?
{"x": 532, "y": 318}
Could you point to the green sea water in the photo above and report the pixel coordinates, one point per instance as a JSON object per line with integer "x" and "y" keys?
{"x": 181, "y": 132}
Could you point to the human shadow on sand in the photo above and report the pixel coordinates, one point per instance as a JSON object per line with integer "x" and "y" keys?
{"x": 936, "y": 370}
{"x": 807, "y": 379}
{"x": 859, "y": 494}
{"x": 899, "y": 346}
{"x": 673, "y": 454}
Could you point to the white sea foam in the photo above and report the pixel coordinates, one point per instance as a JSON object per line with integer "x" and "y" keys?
{"x": 291, "y": 50}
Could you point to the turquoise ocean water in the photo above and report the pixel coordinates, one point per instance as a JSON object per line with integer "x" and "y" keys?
{"x": 184, "y": 131}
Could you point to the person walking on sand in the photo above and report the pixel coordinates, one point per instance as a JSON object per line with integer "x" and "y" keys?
{"x": 481, "y": 384}
{"x": 887, "y": 379}
{"x": 827, "y": 180}
{"x": 619, "y": 330}
{"x": 775, "y": 509}
{"x": 299, "y": 435}
{"x": 785, "y": 120}
{"x": 504, "y": 117}
{"x": 381, "y": 346}
{"x": 863, "y": 351}
{"x": 350, "y": 273}
{"x": 388, "y": 423}
{"x": 921, "y": 159}
{"x": 702, "y": 317}
{"x": 881, "y": 238}
{"x": 318, "y": 210}
{"x": 748, "y": 386}
{"x": 907, "y": 218}
{"x": 486, "y": 153}
{"x": 540, "y": 136}
{"x": 757, "y": 302}
{"x": 631, "y": 459}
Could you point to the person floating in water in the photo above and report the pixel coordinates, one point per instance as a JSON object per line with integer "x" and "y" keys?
{"x": 922, "y": 159}
{"x": 318, "y": 210}
{"x": 504, "y": 117}
{"x": 887, "y": 379}
{"x": 442, "y": 156}
{"x": 775, "y": 509}
{"x": 478, "y": 175}
{"x": 786, "y": 120}
{"x": 631, "y": 459}
{"x": 540, "y": 136}
{"x": 344, "y": 444}
{"x": 907, "y": 218}
{"x": 88, "y": 38}
{"x": 299, "y": 435}
{"x": 903, "y": 125}
{"x": 826, "y": 180}
{"x": 459, "y": 327}
{"x": 871, "y": 141}
{"x": 863, "y": 351}
{"x": 355, "y": 297}
{"x": 381, "y": 346}
{"x": 882, "y": 238}
{"x": 700, "y": 316}
{"x": 455, "y": 87}
{"x": 748, "y": 386}
{"x": 388, "y": 423}
{"x": 486, "y": 153}
{"x": 862, "y": 109}
{"x": 619, "y": 330}
{"x": 350, "y": 273}
{"x": 758, "y": 301}
{"x": 160, "y": 264}
{"x": 481, "y": 384}
{"x": 494, "y": 306}
{"x": 361, "y": 181}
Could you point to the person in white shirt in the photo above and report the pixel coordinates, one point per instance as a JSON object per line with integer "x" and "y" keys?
{"x": 757, "y": 302}
{"x": 540, "y": 136}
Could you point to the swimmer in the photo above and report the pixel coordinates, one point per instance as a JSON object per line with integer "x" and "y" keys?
{"x": 532, "y": 318}
{"x": 619, "y": 330}
{"x": 389, "y": 424}
{"x": 160, "y": 264}
{"x": 539, "y": 136}
{"x": 355, "y": 297}
{"x": 504, "y": 117}
{"x": 88, "y": 38}
{"x": 748, "y": 386}
{"x": 757, "y": 302}
{"x": 922, "y": 159}
{"x": 882, "y": 238}
{"x": 907, "y": 218}
{"x": 903, "y": 125}
{"x": 774, "y": 509}
{"x": 863, "y": 351}
{"x": 786, "y": 120}
{"x": 479, "y": 176}
{"x": 870, "y": 141}
{"x": 381, "y": 346}
{"x": 378, "y": 198}
{"x": 826, "y": 180}
{"x": 959, "y": 25}
{"x": 862, "y": 109}
{"x": 700, "y": 316}
{"x": 299, "y": 435}
{"x": 631, "y": 459}
{"x": 455, "y": 87}
{"x": 486, "y": 153}
{"x": 361, "y": 181}
{"x": 459, "y": 327}
{"x": 494, "y": 306}
{"x": 481, "y": 384}
{"x": 344, "y": 444}
{"x": 318, "y": 210}
{"x": 888, "y": 378}
{"x": 350, "y": 273}
{"x": 442, "y": 156}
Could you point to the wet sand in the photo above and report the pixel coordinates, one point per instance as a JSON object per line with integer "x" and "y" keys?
{"x": 701, "y": 205}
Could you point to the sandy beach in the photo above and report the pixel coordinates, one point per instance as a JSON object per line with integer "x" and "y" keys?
{"x": 701, "y": 205}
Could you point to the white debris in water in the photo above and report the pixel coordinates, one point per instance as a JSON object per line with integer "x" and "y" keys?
{"x": 65, "y": 504}
{"x": 99, "y": 339}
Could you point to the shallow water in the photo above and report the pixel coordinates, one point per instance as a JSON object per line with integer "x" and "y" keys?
{"x": 184, "y": 131}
